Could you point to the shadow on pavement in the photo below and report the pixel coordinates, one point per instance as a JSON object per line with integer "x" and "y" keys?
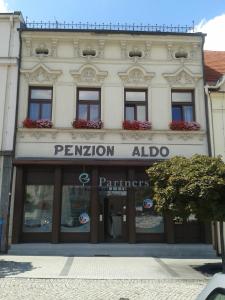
{"x": 10, "y": 268}
{"x": 209, "y": 269}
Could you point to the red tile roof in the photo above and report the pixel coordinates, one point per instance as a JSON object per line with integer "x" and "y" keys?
{"x": 214, "y": 65}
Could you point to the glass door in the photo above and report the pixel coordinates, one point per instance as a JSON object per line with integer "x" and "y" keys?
{"x": 113, "y": 216}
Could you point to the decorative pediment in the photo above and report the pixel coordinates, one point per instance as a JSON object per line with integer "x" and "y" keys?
{"x": 89, "y": 74}
{"x": 136, "y": 76}
{"x": 182, "y": 77}
{"x": 41, "y": 74}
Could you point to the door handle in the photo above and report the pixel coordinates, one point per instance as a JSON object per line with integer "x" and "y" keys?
{"x": 100, "y": 217}
{"x": 124, "y": 218}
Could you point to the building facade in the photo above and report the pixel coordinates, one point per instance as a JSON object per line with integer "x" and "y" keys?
{"x": 9, "y": 65}
{"x": 215, "y": 91}
{"x": 95, "y": 110}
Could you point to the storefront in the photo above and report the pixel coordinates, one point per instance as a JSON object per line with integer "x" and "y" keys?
{"x": 65, "y": 201}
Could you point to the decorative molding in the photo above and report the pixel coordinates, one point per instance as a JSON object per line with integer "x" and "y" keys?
{"x": 76, "y": 48}
{"x": 101, "y": 48}
{"x": 41, "y": 74}
{"x": 192, "y": 50}
{"x": 53, "y": 133}
{"x": 28, "y": 45}
{"x": 89, "y": 74}
{"x": 182, "y": 78}
{"x": 136, "y": 75}
{"x": 137, "y": 135}
{"x": 68, "y": 134}
{"x": 54, "y": 43}
{"x": 185, "y": 135}
{"x": 123, "y": 49}
{"x": 127, "y": 47}
{"x": 147, "y": 52}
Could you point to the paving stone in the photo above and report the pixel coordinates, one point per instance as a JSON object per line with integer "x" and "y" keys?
{"x": 66, "y": 289}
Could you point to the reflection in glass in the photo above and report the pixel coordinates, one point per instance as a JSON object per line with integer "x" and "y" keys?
{"x": 46, "y": 111}
{"x": 141, "y": 114}
{"x": 182, "y": 96}
{"x": 34, "y": 111}
{"x": 82, "y": 114}
{"x": 89, "y": 95}
{"x": 45, "y": 94}
{"x": 94, "y": 113}
{"x": 38, "y": 208}
{"x": 188, "y": 114}
{"x": 147, "y": 220}
{"x": 130, "y": 113}
{"x": 176, "y": 113}
{"x": 75, "y": 216}
{"x": 135, "y": 96}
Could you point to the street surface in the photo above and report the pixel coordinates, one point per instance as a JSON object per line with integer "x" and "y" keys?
{"x": 100, "y": 278}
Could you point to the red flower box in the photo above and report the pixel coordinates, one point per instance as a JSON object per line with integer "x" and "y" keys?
{"x": 85, "y": 124}
{"x": 28, "y": 123}
{"x": 137, "y": 125}
{"x": 42, "y": 123}
{"x": 182, "y": 125}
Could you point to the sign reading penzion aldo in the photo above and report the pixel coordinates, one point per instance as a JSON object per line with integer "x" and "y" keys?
{"x": 111, "y": 151}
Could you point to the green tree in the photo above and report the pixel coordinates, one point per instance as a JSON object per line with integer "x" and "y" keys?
{"x": 185, "y": 186}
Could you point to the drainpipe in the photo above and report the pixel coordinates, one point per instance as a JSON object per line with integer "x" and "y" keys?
{"x": 210, "y": 119}
{"x": 206, "y": 104}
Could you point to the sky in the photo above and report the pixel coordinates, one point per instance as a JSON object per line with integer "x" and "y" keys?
{"x": 208, "y": 15}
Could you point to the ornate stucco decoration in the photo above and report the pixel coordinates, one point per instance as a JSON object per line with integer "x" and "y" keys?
{"x": 52, "y": 134}
{"x": 135, "y": 51}
{"x": 137, "y": 135}
{"x": 41, "y": 50}
{"x": 28, "y": 46}
{"x": 123, "y": 49}
{"x": 90, "y": 49}
{"x": 182, "y": 78}
{"x": 54, "y": 43}
{"x": 186, "y": 136}
{"x": 41, "y": 74}
{"x": 76, "y": 48}
{"x": 89, "y": 74}
{"x": 136, "y": 75}
{"x": 147, "y": 52}
{"x": 183, "y": 52}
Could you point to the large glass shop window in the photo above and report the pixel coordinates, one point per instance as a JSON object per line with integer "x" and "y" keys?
{"x": 147, "y": 220}
{"x": 75, "y": 216}
{"x": 38, "y": 208}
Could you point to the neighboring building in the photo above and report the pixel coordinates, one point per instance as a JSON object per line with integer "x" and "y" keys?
{"x": 88, "y": 183}
{"x": 9, "y": 64}
{"x": 215, "y": 91}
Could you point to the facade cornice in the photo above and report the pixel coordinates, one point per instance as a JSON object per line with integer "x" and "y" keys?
{"x": 69, "y": 36}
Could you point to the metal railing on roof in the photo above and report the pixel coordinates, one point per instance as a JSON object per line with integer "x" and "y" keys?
{"x": 108, "y": 27}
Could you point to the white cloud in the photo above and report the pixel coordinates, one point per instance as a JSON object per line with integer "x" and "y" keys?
{"x": 215, "y": 30}
{"x": 3, "y": 6}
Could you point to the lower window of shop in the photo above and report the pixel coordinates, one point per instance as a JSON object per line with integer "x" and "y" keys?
{"x": 38, "y": 208}
{"x": 75, "y": 213}
{"x": 147, "y": 220}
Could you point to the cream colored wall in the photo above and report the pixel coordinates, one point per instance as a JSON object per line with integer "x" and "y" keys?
{"x": 218, "y": 122}
{"x": 64, "y": 57}
{"x": 9, "y": 54}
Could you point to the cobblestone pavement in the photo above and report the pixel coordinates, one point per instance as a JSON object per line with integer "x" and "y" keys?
{"x": 66, "y": 289}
